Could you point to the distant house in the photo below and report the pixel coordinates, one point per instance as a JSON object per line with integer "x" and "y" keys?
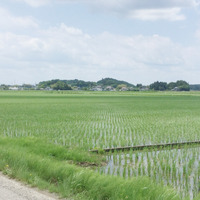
{"x": 75, "y": 88}
{"x": 13, "y": 88}
{"x": 109, "y": 88}
{"x": 48, "y": 89}
{"x": 124, "y": 89}
{"x": 97, "y": 88}
{"x": 144, "y": 88}
{"x": 176, "y": 89}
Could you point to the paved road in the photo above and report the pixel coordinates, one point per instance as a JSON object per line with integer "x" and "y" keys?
{"x": 13, "y": 190}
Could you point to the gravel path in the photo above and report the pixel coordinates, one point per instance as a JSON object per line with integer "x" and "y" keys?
{"x": 13, "y": 190}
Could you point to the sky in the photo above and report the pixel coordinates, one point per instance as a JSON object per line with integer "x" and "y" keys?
{"x": 138, "y": 41}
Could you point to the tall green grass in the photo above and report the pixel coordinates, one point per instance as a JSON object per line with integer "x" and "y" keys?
{"x": 20, "y": 159}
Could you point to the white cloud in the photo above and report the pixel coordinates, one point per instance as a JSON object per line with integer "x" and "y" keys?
{"x": 68, "y": 52}
{"x": 139, "y": 9}
{"x": 172, "y": 14}
{"x": 9, "y": 21}
{"x": 108, "y": 50}
{"x": 138, "y": 4}
{"x": 145, "y": 10}
{"x": 36, "y": 3}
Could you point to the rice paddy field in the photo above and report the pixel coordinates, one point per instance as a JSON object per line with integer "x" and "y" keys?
{"x": 80, "y": 121}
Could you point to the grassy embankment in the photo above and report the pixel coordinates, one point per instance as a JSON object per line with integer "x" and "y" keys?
{"x": 46, "y": 166}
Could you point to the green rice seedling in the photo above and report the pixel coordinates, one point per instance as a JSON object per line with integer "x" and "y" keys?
{"x": 85, "y": 121}
{"x": 166, "y": 166}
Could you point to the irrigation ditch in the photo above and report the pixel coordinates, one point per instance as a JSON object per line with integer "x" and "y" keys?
{"x": 147, "y": 147}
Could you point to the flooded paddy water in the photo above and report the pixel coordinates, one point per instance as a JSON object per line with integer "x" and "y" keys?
{"x": 178, "y": 168}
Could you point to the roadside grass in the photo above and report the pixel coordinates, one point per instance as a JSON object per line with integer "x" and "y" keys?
{"x": 41, "y": 147}
{"x": 45, "y": 165}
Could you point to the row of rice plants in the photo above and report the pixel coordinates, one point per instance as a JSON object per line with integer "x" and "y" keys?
{"x": 179, "y": 168}
{"x": 109, "y": 132}
{"x": 102, "y": 122}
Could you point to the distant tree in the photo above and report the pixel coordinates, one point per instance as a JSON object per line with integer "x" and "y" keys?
{"x": 195, "y": 87}
{"x": 180, "y": 84}
{"x": 45, "y": 84}
{"x": 139, "y": 85}
{"x": 59, "y": 85}
{"x": 158, "y": 86}
{"x": 72, "y": 83}
{"x": 27, "y": 86}
{"x": 4, "y": 87}
{"x": 184, "y": 88}
{"x": 112, "y": 82}
{"x": 171, "y": 85}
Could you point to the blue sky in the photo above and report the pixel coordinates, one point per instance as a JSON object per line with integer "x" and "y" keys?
{"x": 132, "y": 40}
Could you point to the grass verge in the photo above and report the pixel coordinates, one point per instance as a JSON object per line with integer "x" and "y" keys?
{"x": 46, "y": 166}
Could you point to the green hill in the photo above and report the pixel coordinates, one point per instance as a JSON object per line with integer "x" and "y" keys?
{"x": 80, "y": 83}
{"x": 113, "y": 82}
{"x": 84, "y": 84}
{"x": 70, "y": 83}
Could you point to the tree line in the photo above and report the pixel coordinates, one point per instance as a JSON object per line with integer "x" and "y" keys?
{"x": 179, "y": 85}
{"x": 57, "y": 84}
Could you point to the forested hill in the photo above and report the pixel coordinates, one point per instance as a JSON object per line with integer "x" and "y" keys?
{"x": 113, "y": 82}
{"x": 80, "y": 83}
{"x": 83, "y": 84}
{"x": 70, "y": 83}
{"x": 57, "y": 84}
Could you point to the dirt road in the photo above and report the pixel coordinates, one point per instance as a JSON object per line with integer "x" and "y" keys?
{"x": 13, "y": 190}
